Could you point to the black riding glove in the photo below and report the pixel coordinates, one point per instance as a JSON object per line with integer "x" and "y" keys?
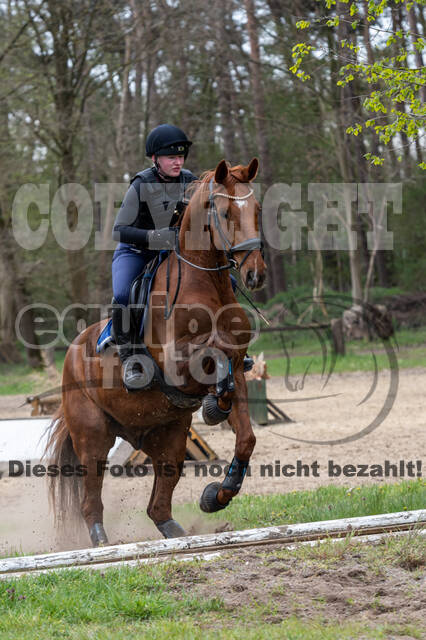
{"x": 161, "y": 239}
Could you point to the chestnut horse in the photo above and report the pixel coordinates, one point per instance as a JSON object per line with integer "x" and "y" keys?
{"x": 218, "y": 230}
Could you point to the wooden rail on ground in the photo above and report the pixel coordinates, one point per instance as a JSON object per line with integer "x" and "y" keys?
{"x": 200, "y": 544}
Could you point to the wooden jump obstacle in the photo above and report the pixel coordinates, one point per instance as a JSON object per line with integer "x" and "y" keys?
{"x": 46, "y": 403}
{"x": 197, "y": 450}
{"x": 202, "y": 546}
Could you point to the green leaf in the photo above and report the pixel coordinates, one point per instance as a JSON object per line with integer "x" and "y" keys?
{"x": 303, "y": 24}
{"x": 357, "y": 129}
{"x": 333, "y": 22}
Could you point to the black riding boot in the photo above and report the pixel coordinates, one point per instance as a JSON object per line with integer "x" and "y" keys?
{"x": 132, "y": 373}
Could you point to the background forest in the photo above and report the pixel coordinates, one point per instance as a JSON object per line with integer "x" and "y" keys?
{"x": 83, "y": 82}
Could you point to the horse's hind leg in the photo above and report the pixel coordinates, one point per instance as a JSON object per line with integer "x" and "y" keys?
{"x": 88, "y": 427}
{"x": 167, "y": 448}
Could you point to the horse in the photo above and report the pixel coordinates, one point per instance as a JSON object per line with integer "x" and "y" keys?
{"x": 210, "y": 332}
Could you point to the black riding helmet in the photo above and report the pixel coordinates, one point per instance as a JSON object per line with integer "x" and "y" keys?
{"x": 167, "y": 140}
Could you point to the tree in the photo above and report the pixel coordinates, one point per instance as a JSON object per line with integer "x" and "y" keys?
{"x": 274, "y": 259}
{"x": 397, "y": 85}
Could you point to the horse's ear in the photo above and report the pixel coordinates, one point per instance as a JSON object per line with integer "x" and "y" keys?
{"x": 252, "y": 169}
{"x": 221, "y": 172}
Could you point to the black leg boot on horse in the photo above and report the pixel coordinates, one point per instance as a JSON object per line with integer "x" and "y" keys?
{"x": 133, "y": 375}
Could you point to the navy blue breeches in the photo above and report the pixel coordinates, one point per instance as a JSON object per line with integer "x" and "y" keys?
{"x": 127, "y": 264}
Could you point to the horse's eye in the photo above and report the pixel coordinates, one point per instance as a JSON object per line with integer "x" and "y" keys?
{"x": 224, "y": 214}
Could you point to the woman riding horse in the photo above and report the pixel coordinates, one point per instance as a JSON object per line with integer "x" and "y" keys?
{"x": 154, "y": 202}
{"x": 154, "y": 196}
{"x": 219, "y": 230}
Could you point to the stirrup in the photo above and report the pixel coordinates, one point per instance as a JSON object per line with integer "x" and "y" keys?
{"x": 136, "y": 375}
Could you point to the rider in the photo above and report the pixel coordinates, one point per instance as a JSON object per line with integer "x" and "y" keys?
{"x": 142, "y": 226}
{"x": 155, "y": 198}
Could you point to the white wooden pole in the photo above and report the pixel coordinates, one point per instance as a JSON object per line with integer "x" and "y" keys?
{"x": 154, "y": 548}
{"x": 371, "y": 538}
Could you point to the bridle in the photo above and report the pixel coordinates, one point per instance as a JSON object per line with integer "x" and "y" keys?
{"x": 248, "y": 245}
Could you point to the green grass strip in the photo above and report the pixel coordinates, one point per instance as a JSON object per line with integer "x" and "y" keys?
{"x": 324, "y": 503}
{"x": 83, "y": 597}
{"x": 125, "y": 603}
{"x": 313, "y": 363}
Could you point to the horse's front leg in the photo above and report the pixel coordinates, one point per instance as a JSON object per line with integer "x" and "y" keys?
{"x": 218, "y": 495}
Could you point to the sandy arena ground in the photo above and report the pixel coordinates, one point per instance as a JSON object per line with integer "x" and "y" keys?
{"x": 354, "y": 405}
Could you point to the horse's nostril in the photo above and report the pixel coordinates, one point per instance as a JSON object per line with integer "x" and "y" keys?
{"x": 254, "y": 279}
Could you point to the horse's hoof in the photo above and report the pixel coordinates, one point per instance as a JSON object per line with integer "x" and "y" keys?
{"x": 171, "y": 529}
{"x": 208, "y": 501}
{"x": 98, "y": 535}
{"x": 212, "y": 413}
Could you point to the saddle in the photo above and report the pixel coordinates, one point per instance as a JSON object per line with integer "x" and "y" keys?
{"x": 139, "y": 294}
{"x": 139, "y": 303}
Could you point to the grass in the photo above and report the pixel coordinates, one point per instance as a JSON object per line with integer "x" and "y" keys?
{"x": 325, "y": 503}
{"x": 52, "y": 604}
{"x": 352, "y": 361}
{"x": 162, "y": 601}
{"x": 31, "y": 621}
{"x": 22, "y": 379}
{"x": 155, "y": 602}
{"x": 407, "y": 552}
{"x": 303, "y": 341}
{"x": 304, "y": 351}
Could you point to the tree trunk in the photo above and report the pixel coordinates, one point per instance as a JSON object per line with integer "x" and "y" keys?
{"x": 412, "y": 20}
{"x": 400, "y": 106}
{"x": 276, "y": 280}
{"x": 138, "y": 42}
{"x": 345, "y": 115}
{"x": 103, "y": 284}
{"x": 8, "y": 285}
{"x": 224, "y": 84}
{"x": 26, "y": 327}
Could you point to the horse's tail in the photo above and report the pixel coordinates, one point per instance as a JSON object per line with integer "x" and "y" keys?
{"x": 64, "y": 491}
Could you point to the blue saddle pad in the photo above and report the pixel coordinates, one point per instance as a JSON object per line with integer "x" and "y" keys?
{"x": 105, "y": 337}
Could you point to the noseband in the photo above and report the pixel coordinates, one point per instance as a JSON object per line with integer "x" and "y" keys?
{"x": 247, "y": 245}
